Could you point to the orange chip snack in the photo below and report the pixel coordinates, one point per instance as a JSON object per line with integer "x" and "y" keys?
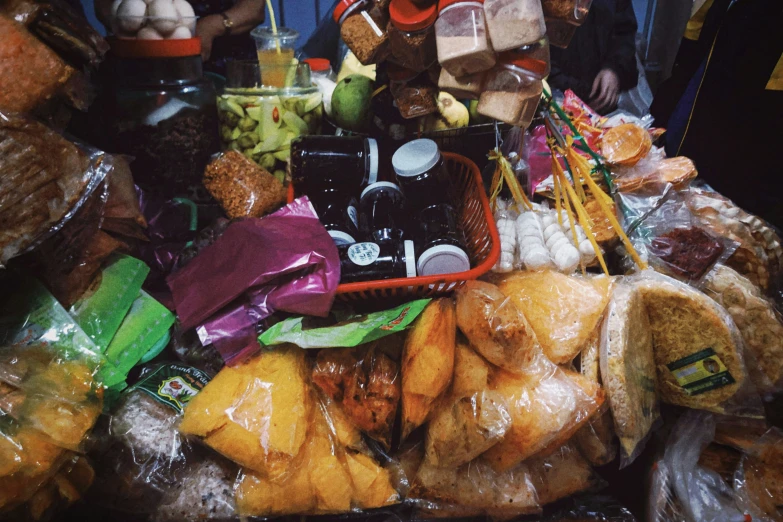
{"x": 255, "y": 413}
{"x": 625, "y": 144}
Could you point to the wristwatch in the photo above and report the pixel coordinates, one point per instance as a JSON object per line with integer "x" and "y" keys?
{"x": 228, "y": 23}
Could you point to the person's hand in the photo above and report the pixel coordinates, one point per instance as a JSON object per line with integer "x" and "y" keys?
{"x": 209, "y": 28}
{"x": 606, "y": 91}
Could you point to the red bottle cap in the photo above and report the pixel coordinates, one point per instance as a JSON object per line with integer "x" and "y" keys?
{"x": 342, "y": 7}
{"x": 135, "y": 48}
{"x": 318, "y": 64}
{"x": 524, "y": 61}
{"x": 407, "y": 16}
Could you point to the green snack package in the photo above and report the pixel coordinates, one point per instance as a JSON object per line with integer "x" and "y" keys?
{"x": 30, "y": 315}
{"x": 353, "y": 332}
{"x": 172, "y": 384}
{"x": 101, "y": 311}
{"x": 146, "y": 324}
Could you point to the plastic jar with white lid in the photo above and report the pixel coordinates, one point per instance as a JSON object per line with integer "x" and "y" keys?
{"x": 514, "y": 23}
{"x": 346, "y": 163}
{"x": 440, "y": 241}
{"x": 363, "y": 29}
{"x": 513, "y": 87}
{"x": 461, "y": 37}
{"x": 373, "y": 261}
{"x": 412, "y": 34}
{"x": 421, "y": 175}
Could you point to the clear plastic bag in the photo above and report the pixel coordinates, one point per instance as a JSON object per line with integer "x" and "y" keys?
{"x": 702, "y": 494}
{"x": 241, "y": 187}
{"x": 256, "y": 413}
{"x": 46, "y": 179}
{"x": 563, "y": 310}
{"x": 365, "y": 384}
{"x": 427, "y": 362}
{"x": 597, "y": 440}
{"x": 757, "y": 320}
{"x": 698, "y": 349}
{"x": 628, "y": 369}
{"x": 759, "y": 256}
{"x": 757, "y": 482}
{"x": 495, "y": 327}
{"x": 333, "y": 473}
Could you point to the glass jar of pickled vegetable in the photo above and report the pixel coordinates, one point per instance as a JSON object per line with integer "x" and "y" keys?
{"x": 260, "y": 121}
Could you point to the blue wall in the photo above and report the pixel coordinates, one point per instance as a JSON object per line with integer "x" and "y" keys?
{"x": 303, "y": 15}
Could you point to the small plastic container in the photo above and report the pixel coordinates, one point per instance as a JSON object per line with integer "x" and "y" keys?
{"x": 513, "y": 88}
{"x": 338, "y": 213}
{"x": 465, "y": 87}
{"x": 421, "y": 175}
{"x": 461, "y": 37}
{"x": 573, "y": 12}
{"x": 381, "y": 212}
{"x": 413, "y": 93}
{"x": 560, "y": 33}
{"x": 441, "y": 245}
{"x": 514, "y": 23}
{"x": 320, "y": 68}
{"x": 363, "y": 29}
{"x": 345, "y": 163}
{"x": 377, "y": 261}
{"x": 275, "y": 49}
{"x": 412, "y": 34}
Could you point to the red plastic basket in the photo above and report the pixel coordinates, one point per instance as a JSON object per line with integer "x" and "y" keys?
{"x": 481, "y": 236}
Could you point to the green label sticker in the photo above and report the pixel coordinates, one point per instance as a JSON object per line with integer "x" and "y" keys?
{"x": 173, "y": 385}
{"x": 701, "y": 372}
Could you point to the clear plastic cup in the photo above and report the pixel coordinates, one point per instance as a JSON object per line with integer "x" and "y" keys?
{"x": 275, "y": 49}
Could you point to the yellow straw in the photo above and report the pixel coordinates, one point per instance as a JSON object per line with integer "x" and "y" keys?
{"x": 274, "y": 23}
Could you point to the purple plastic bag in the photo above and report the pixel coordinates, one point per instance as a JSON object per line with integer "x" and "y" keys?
{"x": 285, "y": 261}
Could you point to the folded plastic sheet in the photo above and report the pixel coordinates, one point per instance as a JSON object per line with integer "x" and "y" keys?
{"x": 253, "y": 269}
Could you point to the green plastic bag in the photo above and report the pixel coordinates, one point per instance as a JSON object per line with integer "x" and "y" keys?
{"x": 352, "y": 332}
{"x": 101, "y": 311}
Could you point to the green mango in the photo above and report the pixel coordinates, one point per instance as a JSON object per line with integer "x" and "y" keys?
{"x": 247, "y": 124}
{"x": 267, "y": 161}
{"x": 234, "y": 107}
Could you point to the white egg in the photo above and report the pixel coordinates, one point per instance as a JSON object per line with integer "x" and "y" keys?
{"x": 148, "y": 33}
{"x": 163, "y": 15}
{"x": 114, "y": 6}
{"x": 130, "y": 15}
{"x": 184, "y": 9}
{"x": 180, "y": 33}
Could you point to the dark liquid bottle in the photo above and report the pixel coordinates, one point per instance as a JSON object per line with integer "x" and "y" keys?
{"x": 377, "y": 261}
{"x": 381, "y": 212}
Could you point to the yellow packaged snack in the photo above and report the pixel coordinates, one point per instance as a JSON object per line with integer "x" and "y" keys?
{"x": 427, "y": 362}
{"x": 255, "y": 413}
{"x": 563, "y": 310}
{"x": 546, "y": 408}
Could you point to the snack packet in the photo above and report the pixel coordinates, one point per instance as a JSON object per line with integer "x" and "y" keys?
{"x": 628, "y": 369}
{"x": 101, "y": 311}
{"x": 348, "y": 333}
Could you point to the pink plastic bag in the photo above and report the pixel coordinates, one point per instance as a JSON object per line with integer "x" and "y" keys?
{"x": 285, "y": 261}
